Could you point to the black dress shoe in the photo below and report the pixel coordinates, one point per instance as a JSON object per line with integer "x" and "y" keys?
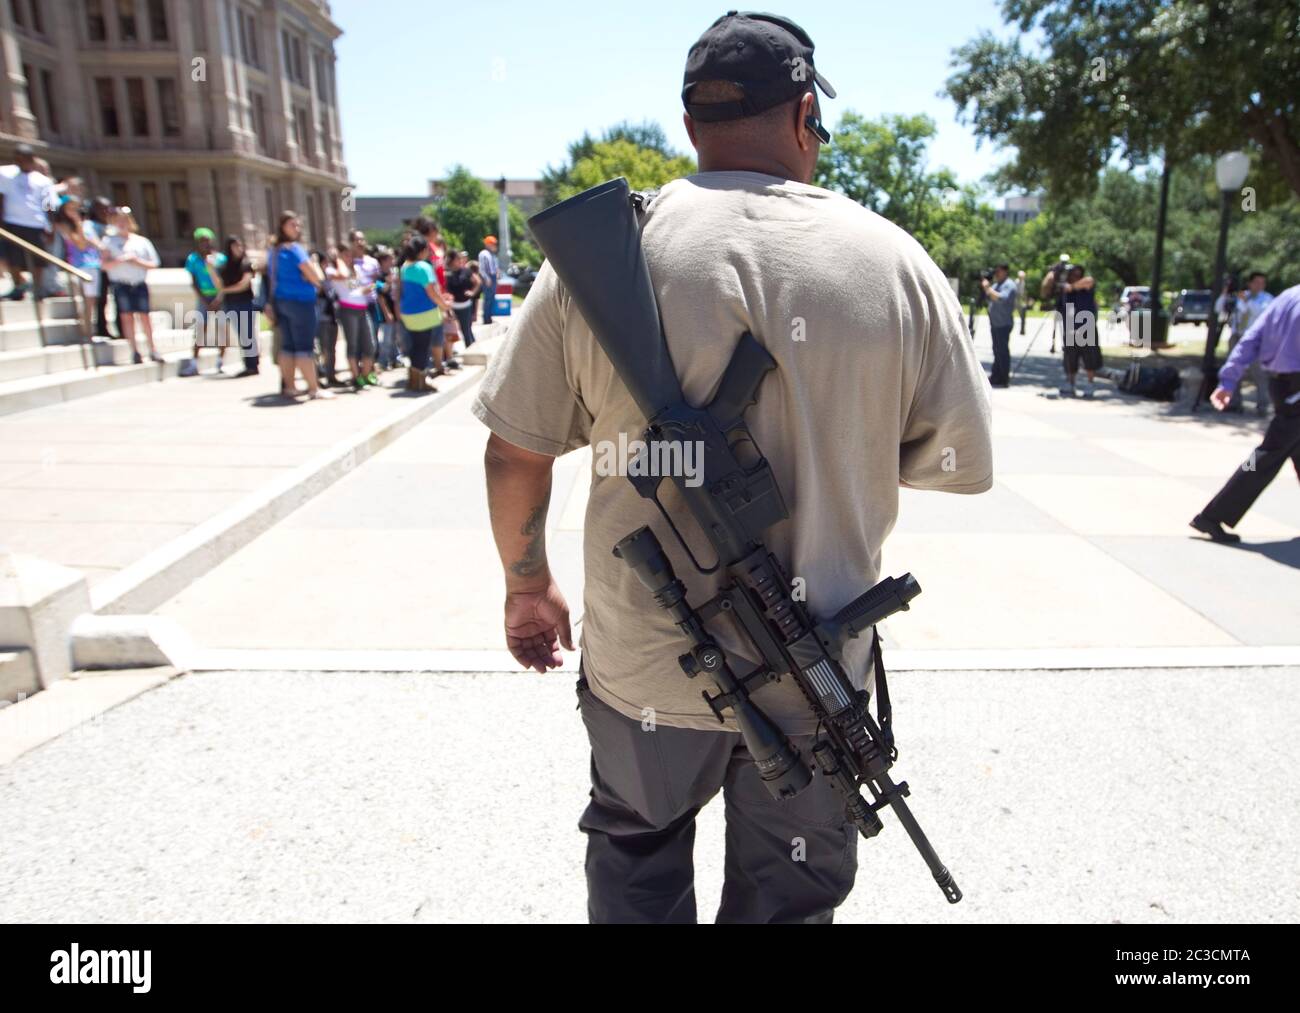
{"x": 1214, "y": 529}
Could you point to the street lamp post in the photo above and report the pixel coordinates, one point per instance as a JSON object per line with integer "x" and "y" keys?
{"x": 1230, "y": 173}
{"x": 503, "y": 226}
{"x": 1159, "y": 322}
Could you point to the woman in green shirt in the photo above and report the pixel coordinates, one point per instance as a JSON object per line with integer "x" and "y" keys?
{"x": 421, "y": 302}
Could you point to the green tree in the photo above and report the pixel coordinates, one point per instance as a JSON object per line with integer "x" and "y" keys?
{"x": 883, "y": 165}
{"x": 1108, "y": 229}
{"x": 1268, "y": 241}
{"x": 468, "y": 210}
{"x": 638, "y": 151}
{"x": 385, "y": 237}
{"x": 644, "y": 168}
{"x": 1136, "y": 80}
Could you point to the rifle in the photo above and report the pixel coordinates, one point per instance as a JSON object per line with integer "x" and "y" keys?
{"x": 593, "y": 243}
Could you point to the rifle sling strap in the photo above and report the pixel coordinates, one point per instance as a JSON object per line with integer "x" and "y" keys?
{"x": 884, "y": 712}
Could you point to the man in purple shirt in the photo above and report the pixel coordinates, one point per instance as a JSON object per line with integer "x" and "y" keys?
{"x": 1274, "y": 341}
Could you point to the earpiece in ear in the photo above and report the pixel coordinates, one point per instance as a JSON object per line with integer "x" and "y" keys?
{"x": 815, "y": 125}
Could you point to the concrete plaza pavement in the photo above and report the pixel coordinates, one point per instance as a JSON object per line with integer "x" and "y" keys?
{"x": 100, "y": 483}
{"x": 1115, "y": 796}
{"x": 1082, "y": 544}
{"x": 1085, "y": 794}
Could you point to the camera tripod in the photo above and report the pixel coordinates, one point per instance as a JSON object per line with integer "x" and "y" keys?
{"x": 1051, "y": 317}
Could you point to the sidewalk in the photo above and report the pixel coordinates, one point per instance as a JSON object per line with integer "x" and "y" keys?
{"x": 397, "y": 556}
{"x": 100, "y": 483}
{"x": 1082, "y": 544}
{"x": 1160, "y": 797}
{"x": 432, "y": 783}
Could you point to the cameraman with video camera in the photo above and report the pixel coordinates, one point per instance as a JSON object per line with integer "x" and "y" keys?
{"x": 1001, "y": 293}
{"x": 1051, "y": 291}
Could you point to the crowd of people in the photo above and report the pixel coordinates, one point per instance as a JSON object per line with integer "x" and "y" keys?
{"x": 1263, "y": 343}
{"x": 1070, "y": 294}
{"x": 101, "y": 241}
{"x": 413, "y": 307}
{"x": 409, "y": 308}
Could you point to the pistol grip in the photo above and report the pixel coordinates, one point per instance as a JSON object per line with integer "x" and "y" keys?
{"x": 739, "y": 387}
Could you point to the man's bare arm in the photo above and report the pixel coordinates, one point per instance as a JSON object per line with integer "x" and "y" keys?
{"x": 519, "y": 495}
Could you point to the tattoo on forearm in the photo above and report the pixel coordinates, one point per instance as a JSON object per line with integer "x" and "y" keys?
{"x": 534, "y": 557}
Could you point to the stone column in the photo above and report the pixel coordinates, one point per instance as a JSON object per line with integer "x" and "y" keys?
{"x": 13, "y": 85}
{"x": 193, "y": 122}
{"x": 222, "y": 86}
{"x": 240, "y": 200}
{"x": 203, "y": 199}
{"x": 284, "y": 147}
{"x": 296, "y": 194}
{"x": 76, "y": 105}
{"x": 319, "y": 156}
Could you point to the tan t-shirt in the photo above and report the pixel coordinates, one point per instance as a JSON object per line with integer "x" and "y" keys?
{"x": 877, "y": 384}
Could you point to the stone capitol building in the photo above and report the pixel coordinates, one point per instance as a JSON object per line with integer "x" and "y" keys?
{"x": 194, "y": 112}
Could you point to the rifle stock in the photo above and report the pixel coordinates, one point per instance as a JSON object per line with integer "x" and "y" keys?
{"x": 593, "y": 244}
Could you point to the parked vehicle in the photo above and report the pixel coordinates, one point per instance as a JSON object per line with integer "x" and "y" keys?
{"x": 1131, "y": 298}
{"x": 523, "y": 277}
{"x": 1192, "y": 305}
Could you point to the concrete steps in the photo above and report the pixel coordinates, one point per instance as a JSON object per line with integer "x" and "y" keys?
{"x": 487, "y": 339}
{"x": 68, "y": 384}
{"x": 49, "y": 362}
{"x": 24, "y": 311}
{"x": 28, "y": 362}
{"x": 17, "y": 337}
{"x": 33, "y": 375}
{"x": 19, "y": 330}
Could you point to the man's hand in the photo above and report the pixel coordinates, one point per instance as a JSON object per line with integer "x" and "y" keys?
{"x": 1220, "y": 398}
{"x": 537, "y": 626}
{"x": 519, "y": 493}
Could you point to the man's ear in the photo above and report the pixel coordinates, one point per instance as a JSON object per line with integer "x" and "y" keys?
{"x": 804, "y": 137}
{"x": 690, "y": 130}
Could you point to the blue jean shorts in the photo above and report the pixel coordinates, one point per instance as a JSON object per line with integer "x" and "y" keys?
{"x": 297, "y": 324}
{"x": 131, "y": 298}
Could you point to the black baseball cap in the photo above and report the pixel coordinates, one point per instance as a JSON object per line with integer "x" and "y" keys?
{"x": 768, "y": 57}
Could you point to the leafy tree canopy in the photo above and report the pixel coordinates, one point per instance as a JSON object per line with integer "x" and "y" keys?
{"x": 638, "y": 151}
{"x": 1135, "y": 80}
{"x": 468, "y": 210}
{"x": 1106, "y": 225}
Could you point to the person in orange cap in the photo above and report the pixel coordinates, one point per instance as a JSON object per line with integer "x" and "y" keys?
{"x": 490, "y": 271}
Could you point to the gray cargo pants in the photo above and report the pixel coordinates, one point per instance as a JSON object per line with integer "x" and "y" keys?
{"x": 791, "y": 861}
